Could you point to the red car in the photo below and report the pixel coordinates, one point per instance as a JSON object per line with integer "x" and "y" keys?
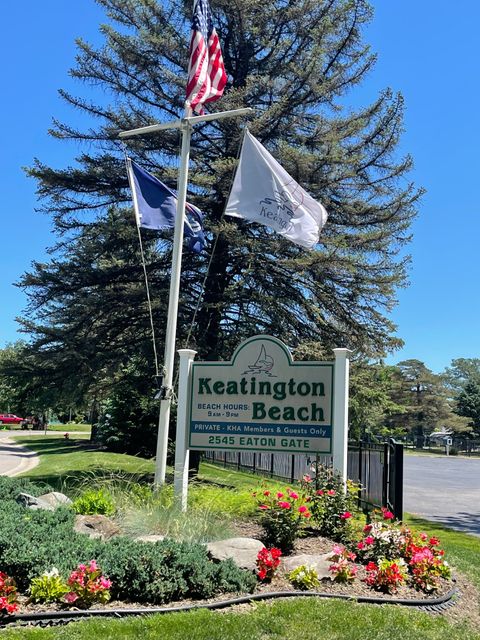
{"x": 10, "y": 418}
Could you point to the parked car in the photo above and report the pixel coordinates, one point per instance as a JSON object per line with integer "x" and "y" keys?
{"x": 10, "y": 418}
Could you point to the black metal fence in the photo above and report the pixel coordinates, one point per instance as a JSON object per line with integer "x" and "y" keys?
{"x": 377, "y": 468}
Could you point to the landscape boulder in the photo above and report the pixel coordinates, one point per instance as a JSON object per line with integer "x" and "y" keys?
{"x": 96, "y": 526}
{"x": 320, "y": 563}
{"x": 55, "y": 499}
{"x": 149, "y": 538}
{"x": 34, "y": 503}
{"x": 243, "y": 551}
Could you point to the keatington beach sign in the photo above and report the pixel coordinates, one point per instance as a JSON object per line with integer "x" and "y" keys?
{"x": 262, "y": 401}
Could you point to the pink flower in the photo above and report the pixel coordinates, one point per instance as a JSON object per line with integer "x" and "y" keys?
{"x": 423, "y": 536}
{"x": 293, "y": 495}
{"x": 369, "y": 540}
{"x": 93, "y": 565}
{"x": 360, "y": 546}
{"x": 70, "y": 597}
{"x": 387, "y": 515}
{"x": 331, "y": 492}
{"x": 280, "y": 494}
{"x": 302, "y": 509}
{"x": 263, "y": 506}
{"x": 320, "y": 492}
{"x": 307, "y": 478}
{"x": 346, "y": 515}
{"x": 284, "y": 505}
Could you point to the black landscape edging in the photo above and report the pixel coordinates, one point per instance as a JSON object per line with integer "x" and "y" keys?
{"x": 67, "y": 616}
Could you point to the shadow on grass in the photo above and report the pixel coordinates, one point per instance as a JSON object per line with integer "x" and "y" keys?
{"x": 58, "y": 445}
{"x": 94, "y": 477}
{"x": 462, "y": 522}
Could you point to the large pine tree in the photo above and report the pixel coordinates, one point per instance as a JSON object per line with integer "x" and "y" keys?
{"x": 294, "y": 62}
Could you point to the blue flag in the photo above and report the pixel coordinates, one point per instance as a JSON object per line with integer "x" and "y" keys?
{"x": 155, "y": 207}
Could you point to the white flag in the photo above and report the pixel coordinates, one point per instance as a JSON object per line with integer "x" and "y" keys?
{"x": 264, "y": 192}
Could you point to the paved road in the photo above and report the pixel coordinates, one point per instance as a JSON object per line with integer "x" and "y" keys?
{"x": 444, "y": 489}
{"x": 14, "y": 458}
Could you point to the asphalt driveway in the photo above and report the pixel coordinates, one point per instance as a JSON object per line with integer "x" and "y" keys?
{"x": 444, "y": 489}
{"x": 14, "y": 458}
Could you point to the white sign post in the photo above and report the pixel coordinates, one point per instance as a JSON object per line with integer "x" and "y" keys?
{"x": 182, "y": 452}
{"x": 340, "y": 411}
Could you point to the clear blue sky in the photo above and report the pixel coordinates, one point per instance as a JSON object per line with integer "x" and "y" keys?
{"x": 427, "y": 50}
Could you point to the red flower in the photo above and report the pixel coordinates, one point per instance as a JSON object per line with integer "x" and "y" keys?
{"x": 302, "y": 509}
{"x": 266, "y": 493}
{"x": 284, "y": 505}
{"x": 360, "y": 546}
{"x": 367, "y": 528}
{"x": 320, "y": 492}
{"x": 387, "y": 515}
{"x": 433, "y": 541}
{"x": 371, "y": 566}
{"x": 346, "y": 515}
{"x": 293, "y": 495}
{"x": 331, "y": 492}
{"x": 263, "y": 506}
{"x": 369, "y": 540}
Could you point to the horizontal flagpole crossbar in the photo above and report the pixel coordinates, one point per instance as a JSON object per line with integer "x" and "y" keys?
{"x": 177, "y": 124}
{"x": 220, "y": 115}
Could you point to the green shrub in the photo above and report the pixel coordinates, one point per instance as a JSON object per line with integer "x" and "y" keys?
{"x": 49, "y": 587}
{"x": 167, "y": 570}
{"x": 94, "y": 502}
{"x": 11, "y": 487}
{"x": 329, "y": 503}
{"x": 304, "y": 577}
{"x": 32, "y": 542}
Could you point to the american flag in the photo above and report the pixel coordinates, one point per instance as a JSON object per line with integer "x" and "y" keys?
{"x": 206, "y": 72}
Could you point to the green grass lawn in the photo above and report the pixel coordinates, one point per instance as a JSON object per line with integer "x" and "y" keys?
{"x": 71, "y": 426}
{"x": 305, "y": 619}
{"x": 62, "y": 461}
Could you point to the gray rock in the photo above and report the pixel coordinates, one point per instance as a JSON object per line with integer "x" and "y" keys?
{"x": 97, "y": 526}
{"x": 243, "y": 551}
{"x": 150, "y": 538}
{"x": 34, "y": 503}
{"x": 55, "y": 499}
{"x": 320, "y": 563}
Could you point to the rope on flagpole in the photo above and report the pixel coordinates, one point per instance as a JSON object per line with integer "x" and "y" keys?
{"x": 149, "y": 302}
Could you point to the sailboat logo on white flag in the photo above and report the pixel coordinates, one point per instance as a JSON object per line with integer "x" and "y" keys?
{"x": 264, "y": 192}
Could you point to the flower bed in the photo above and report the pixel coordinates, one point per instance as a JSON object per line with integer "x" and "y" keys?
{"x": 44, "y": 565}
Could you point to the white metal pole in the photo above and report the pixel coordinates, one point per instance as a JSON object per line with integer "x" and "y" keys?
{"x": 340, "y": 411}
{"x": 182, "y": 453}
{"x": 164, "y": 417}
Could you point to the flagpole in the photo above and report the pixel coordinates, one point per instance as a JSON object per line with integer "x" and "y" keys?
{"x": 166, "y": 391}
{"x": 169, "y": 360}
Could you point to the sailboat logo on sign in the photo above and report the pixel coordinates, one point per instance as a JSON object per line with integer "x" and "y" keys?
{"x": 263, "y": 364}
